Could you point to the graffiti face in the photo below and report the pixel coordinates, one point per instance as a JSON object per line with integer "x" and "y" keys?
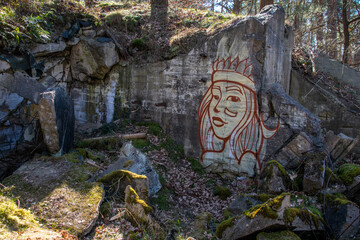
{"x": 230, "y": 124}
{"x": 226, "y": 107}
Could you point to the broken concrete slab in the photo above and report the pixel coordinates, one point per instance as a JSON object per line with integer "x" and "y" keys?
{"x": 291, "y": 155}
{"x": 274, "y": 178}
{"x": 15, "y": 83}
{"x": 339, "y": 145}
{"x": 56, "y": 112}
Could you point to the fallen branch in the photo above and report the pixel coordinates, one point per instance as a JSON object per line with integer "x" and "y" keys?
{"x": 122, "y": 50}
{"x": 120, "y": 136}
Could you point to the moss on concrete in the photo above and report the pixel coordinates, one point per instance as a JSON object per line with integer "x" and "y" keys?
{"x": 266, "y": 209}
{"x": 128, "y": 163}
{"x": 279, "y": 166}
{"x": 106, "y": 143}
{"x": 196, "y": 166}
{"x": 306, "y": 215}
{"x": 337, "y": 199}
{"x": 283, "y": 235}
{"x": 347, "y": 173}
{"x": 223, "y": 225}
{"x": 222, "y": 192}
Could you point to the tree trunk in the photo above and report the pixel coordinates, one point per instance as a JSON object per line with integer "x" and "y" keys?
{"x": 159, "y": 11}
{"x": 331, "y": 25}
{"x": 346, "y": 31}
{"x": 236, "y": 8}
{"x": 319, "y": 31}
{"x": 263, "y": 3}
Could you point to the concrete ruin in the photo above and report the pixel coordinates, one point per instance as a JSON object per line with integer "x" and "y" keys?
{"x": 226, "y": 101}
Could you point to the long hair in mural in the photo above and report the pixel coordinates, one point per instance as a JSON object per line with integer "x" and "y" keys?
{"x": 229, "y": 118}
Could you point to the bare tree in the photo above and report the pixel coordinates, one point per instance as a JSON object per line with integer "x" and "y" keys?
{"x": 263, "y": 3}
{"x": 159, "y": 11}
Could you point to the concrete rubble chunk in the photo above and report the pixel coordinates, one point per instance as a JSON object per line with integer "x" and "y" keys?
{"x": 274, "y": 178}
{"x": 133, "y": 160}
{"x": 241, "y": 204}
{"x": 342, "y": 216}
{"x": 90, "y": 58}
{"x": 339, "y": 145}
{"x": 15, "y": 83}
{"x": 56, "y": 112}
{"x": 267, "y": 217}
{"x": 290, "y": 156}
{"x": 48, "y": 48}
{"x": 314, "y": 172}
{"x": 4, "y": 66}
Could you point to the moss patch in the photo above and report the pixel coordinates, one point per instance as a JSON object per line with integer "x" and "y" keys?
{"x": 283, "y": 235}
{"x": 267, "y": 209}
{"x": 337, "y": 199}
{"x": 196, "y": 166}
{"x": 347, "y": 173}
{"x": 119, "y": 174}
{"x": 133, "y": 198}
{"x": 279, "y": 166}
{"x": 107, "y": 143}
{"x": 222, "y": 192}
{"x": 223, "y": 225}
{"x": 306, "y": 215}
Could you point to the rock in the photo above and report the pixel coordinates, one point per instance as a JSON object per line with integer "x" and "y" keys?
{"x": 48, "y": 82}
{"x": 57, "y": 192}
{"x": 263, "y": 217}
{"x": 73, "y": 41}
{"x": 273, "y": 215}
{"x": 15, "y": 83}
{"x": 339, "y": 145}
{"x": 284, "y": 235}
{"x": 116, "y": 182}
{"x": 199, "y": 225}
{"x": 48, "y": 48}
{"x": 89, "y": 33}
{"x": 135, "y": 161}
{"x": 222, "y": 192}
{"x": 354, "y": 188}
{"x": 290, "y": 156}
{"x": 342, "y": 216}
{"x": 90, "y": 58}
{"x": 4, "y": 66}
{"x": 241, "y": 204}
{"x": 314, "y": 172}
{"x": 56, "y": 112}
{"x": 140, "y": 211}
{"x": 274, "y": 178}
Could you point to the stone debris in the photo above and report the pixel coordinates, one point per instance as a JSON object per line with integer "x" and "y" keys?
{"x": 314, "y": 172}
{"x": 133, "y": 160}
{"x": 339, "y": 145}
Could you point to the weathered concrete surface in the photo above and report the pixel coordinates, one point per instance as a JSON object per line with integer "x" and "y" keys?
{"x": 314, "y": 172}
{"x": 57, "y": 120}
{"x": 339, "y": 145}
{"x": 333, "y": 114}
{"x": 4, "y": 66}
{"x": 15, "y": 83}
{"x": 341, "y": 72}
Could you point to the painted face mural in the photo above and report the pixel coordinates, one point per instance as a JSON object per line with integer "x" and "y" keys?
{"x": 230, "y": 125}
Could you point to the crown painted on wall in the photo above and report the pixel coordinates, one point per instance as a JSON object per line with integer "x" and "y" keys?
{"x": 233, "y": 70}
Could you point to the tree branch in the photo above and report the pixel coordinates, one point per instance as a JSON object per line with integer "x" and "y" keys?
{"x": 354, "y": 20}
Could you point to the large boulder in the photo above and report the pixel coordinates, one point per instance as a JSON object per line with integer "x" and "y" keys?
{"x": 133, "y": 160}
{"x": 4, "y": 66}
{"x": 283, "y": 235}
{"x": 241, "y": 204}
{"x": 56, "y": 112}
{"x": 57, "y": 192}
{"x": 92, "y": 59}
